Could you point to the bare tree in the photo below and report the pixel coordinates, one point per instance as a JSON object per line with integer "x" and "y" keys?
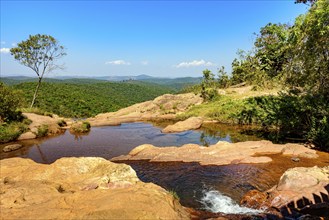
{"x": 39, "y": 53}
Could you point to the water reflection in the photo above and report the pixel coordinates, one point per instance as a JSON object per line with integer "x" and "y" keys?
{"x": 112, "y": 141}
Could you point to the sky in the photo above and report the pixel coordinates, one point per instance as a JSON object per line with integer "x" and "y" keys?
{"x": 158, "y": 38}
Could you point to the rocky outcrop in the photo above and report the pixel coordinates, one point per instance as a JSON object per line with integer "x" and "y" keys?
{"x": 163, "y": 107}
{"x": 300, "y": 191}
{"x": 81, "y": 188}
{"x": 12, "y": 147}
{"x": 40, "y": 123}
{"x": 222, "y": 153}
{"x": 189, "y": 124}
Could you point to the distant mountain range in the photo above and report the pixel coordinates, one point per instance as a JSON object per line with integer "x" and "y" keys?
{"x": 173, "y": 83}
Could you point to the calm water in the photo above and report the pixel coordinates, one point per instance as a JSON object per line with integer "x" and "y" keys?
{"x": 112, "y": 141}
{"x": 202, "y": 187}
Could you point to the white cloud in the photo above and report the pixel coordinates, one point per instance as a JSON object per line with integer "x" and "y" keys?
{"x": 5, "y": 50}
{"x": 145, "y": 62}
{"x": 118, "y": 62}
{"x": 195, "y": 63}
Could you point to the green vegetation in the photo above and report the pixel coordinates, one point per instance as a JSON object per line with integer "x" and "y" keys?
{"x": 42, "y": 131}
{"x": 81, "y": 127}
{"x": 294, "y": 59}
{"x": 12, "y": 122}
{"x": 39, "y": 53}
{"x": 88, "y": 99}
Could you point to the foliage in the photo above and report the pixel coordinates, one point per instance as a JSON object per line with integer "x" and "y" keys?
{"x": 39, "y": 53}
{"x": 308, "y": 67}
{"x": 81, "y": 127}
{"x": 208, "y": 85}
{"x": 11, "y": 131}
{"x": 10, "y": 100}
{"x": 61, "y": 123}
{"x": 42, "y": 131}
{"x": 223, "y": 78}
{"x": 81, "y": 100}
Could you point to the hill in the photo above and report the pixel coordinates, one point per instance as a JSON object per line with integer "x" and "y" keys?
{"x": 85, "y": 98}
{"x": 176, "y": 84}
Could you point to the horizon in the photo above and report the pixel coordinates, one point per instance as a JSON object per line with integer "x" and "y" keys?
{"x": 169, "y": 39}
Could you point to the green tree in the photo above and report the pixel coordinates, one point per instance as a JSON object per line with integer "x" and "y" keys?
{"x": 208, "y": 85}
{"x": 39, "y": 53}
{"x": 9, "y": 102}
{"x": 270, "y": 48}
{"x": 308, "y": 66}
{"x": 223, "y": 78}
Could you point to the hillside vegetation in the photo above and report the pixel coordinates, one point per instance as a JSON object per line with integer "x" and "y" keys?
{"x": 83, "y": 98}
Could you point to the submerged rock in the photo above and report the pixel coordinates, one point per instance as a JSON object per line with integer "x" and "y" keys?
{"x": 81, "y": 188}
{"x": 189, "y": 124}
{"x": 12, "y": 147}
{"x": 222, "y": 153}
{"x": 300, "y": 191}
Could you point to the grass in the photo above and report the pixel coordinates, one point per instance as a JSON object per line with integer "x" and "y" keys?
{"x": 11, "y": 131}
{"x": 174, "y": 194}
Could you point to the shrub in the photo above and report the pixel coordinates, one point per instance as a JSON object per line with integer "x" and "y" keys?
{"x": 42, "y": 131}
{"x": 81, "y": 127}
{"x": 10, "y": 132}
{"x": 9, "y": 102}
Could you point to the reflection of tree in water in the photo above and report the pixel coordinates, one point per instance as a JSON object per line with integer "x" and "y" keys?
{"x": 79, "y": 136}
{"x": 43, "y": 157}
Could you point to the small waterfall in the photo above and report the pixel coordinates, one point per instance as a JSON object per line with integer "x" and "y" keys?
{"x": 216, "y": 202}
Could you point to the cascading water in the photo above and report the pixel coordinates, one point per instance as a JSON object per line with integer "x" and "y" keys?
{"x": 216, "y": 202}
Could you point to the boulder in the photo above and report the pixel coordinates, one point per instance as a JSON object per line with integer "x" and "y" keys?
{"x": 300, "y": 190}
{"x": 27, "y": 136}
{"x": 41, "y": 121}
{"x": 81, "y": 188}
{"x": 189, "y": 124}
{"x": 222, "y": 153}
{"x": 12, "y": 147}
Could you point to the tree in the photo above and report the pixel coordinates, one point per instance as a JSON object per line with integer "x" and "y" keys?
{"x": 308, "y": 66}
{"x": 208, "y": 85}
{"x": 39, "y": 53}
{"x": 9, "y": 102}
{"x": 223, "y": 78}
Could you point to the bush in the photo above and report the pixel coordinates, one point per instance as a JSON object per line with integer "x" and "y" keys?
{"x": 80, "y": 127}
{"x": 10, "y": 132}
{"x": 42, "y": 131}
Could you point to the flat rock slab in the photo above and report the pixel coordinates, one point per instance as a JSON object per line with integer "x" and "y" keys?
{"x": 27, "y": 136}
{"x": 12, "y": 147}
{"x": 189, "y": 124}
{"x": 222, "y": 153}
{"x": 81, "y": 188}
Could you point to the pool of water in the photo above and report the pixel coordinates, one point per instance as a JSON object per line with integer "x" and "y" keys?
{"x": 211, "y": 188}
{"x": 112, "y": 141}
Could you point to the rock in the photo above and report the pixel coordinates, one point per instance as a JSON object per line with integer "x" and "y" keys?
{"x": 12, "y": 147}
{"x": 27, "y": 136}
{"x": 41, "y": 121}
{"x": 189, "y": 124}
{"x": 80, "y": 127}
{"x": 295, "y": 159}
{"x": 299, "y": 191}
{"x": 163, "y": 107}
{"x": 81, "y": 188}
{"x": 222, "y": 153}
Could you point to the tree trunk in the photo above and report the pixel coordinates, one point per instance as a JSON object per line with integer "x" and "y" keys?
{"x": 36, "y": 92}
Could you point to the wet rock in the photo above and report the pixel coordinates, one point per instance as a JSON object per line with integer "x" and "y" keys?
{"x": 27, "y": 136}
{"x": 295, "y": 159}
{"x": 81, "y": 188}
{"x": 189, "y": 124}
{"x": 222, "y": 153}
{"x": 299, "y": 191}
{"x": 12, "y": 147}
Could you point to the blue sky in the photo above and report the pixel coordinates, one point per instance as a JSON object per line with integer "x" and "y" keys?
{"x": 158, "y": 38}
